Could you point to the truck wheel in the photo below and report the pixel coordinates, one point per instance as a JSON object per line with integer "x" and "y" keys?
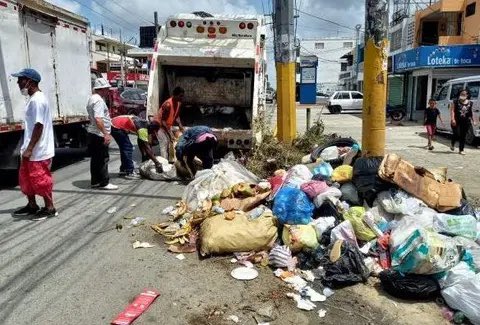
{"x": 470, "y": 138}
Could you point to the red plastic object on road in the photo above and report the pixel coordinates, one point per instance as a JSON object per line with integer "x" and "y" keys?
{"x": 136, "y": 308}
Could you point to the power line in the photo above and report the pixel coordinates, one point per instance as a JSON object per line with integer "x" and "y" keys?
{"x": 326, "y": 20}
{"x": 320, "y": 58}
{"x": 127, "y": 10}
{"x": 108, "y": 10}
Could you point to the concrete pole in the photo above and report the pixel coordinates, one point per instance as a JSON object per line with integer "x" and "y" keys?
{"x": 155, "y": 20}
{"x": 357, "y": 54}
{"x": 285, "y": 66}
{"x": 375, "y": 77}
{"x": 122, "y": 62}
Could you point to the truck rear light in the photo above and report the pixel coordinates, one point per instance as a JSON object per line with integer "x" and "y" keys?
{"x": 200, "y": 29}
{"x": 250, "y": 26}
{"x": 212, "y": 30}
{"x": 181, "y": 24}
{"x": 173, "y": 23}
{"x": 222, "y": 30}
{"x": 189, "y": 24}
{"x": 242, "y": 25}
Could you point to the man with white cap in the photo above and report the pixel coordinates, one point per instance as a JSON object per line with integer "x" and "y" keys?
{"x": 38, "y": 148}
{"x": 99, "y": 136}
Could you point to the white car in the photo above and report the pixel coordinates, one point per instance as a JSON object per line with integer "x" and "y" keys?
{"x": 345, "y": 101}
{"x": 322, "y": 99}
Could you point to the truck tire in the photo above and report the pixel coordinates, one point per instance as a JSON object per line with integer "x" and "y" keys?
{"x": 471, "y": 139}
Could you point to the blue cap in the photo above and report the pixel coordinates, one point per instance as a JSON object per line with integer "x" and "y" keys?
{"x": 28, "y": 73}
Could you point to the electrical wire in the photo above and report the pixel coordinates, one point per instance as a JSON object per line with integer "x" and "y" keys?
{"x": 320, "y": 58}
{"x": 127, "y": 10}
{"x": 326, "y": 20}
{"x": 110, "y": 11}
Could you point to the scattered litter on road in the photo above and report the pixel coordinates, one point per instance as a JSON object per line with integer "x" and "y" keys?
{"x": 244, "y": 273}
{"x": 180, "y": 257}
{"x": 138, "y": 244}
{"x": 112, "y": 210}
{"x": 169, "y": 210}
{"x": 234, "y": 318}
{"x": 136, "y": 222}
{"x": 133, "y": 205}
{"x": 327, "y": 292}
{"x": 302, "y": 303}
{"x": 322, "y": 313}
{"x": 136, "y": 308}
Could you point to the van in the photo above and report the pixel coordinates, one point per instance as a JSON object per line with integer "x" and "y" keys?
{"x": 448, "y": 93}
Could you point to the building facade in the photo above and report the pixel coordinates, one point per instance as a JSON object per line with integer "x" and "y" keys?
{"x": 329, "y": 52}
{"x": 444, "y": 46}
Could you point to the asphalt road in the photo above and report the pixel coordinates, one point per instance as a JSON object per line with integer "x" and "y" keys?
{"x": 77, "y": 269}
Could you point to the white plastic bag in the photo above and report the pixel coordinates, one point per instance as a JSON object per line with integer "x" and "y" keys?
{"x": 455, "y": 275}
{"x": 322, "y": 224}
{"x": 329, "y": 153}
{"x": 148, "y": 170}
{"x": 397, "y": 201}
{"x": 465, "y": 226}
{"x": 464, "y": 295}
{"x": 472, "y": 248}
{"x": 297, "y": 176}
{"x": 211, "y": 182}
{"x": 344, "y": 231}
{"x": 330, "y": 192}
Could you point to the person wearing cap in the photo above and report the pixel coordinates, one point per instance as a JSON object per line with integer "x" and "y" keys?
{"x": 168, "y": 116}
{"x": 38, "y": 148}
{"x": 99, "y": 136}
{"x": 124, "y": 125}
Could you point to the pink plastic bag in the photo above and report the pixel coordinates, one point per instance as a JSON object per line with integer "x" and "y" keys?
{"x": 314, "y": 188}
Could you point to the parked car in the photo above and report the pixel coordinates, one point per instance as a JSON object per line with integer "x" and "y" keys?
{"x": 270, "y": 95}
{"x": 322, "y": 99}
{"x": 448, "y": 93}
{"x": 345, "y": 101}
{"x": 127, "y": 101}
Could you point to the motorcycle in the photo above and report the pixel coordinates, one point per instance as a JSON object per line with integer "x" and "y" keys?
{"x": 396, "y": 113}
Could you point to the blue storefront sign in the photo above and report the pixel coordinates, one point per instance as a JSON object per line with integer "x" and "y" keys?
{"x": 422, "y": 57}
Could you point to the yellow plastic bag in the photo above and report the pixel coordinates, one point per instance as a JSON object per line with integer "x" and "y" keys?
{"x": 342, "y": 174}
{"x": 298, "y": 237}
{"x": 362, "y": 230}
{"x": 219, "y": 235}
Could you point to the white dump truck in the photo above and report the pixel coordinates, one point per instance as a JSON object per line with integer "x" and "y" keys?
{"x": 220, "y": 62}
{"x": 55, "y": 42}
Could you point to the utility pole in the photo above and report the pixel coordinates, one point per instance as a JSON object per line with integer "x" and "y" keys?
{"x": 122, "y": 63}
{"x": 357, "y": 54}
{"x": 285, "y": 66}
{"x": 375, "y": 77}
{"x": 155, "y": 20}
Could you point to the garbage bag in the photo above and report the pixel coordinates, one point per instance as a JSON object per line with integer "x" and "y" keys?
{"x": 314, "y": 188}
{"x": 340, "y": 142}
{"x": 281, "y": 256}
{"x": 424, "y": 252}
{"x": 366, "y": 179}
{"x": 464, "y": 296}
{"x": 350, "y": 194}
{"x": 298, "y": 237}
{"x": 323, "y": 224}
{"x": 329, "y": 153}
{"x": 409, "y": 286}
{"x": 148, "y": 170}
{"x": 472, "y": 248}
{"x": 348, "y": 269}
{"x": 293, "y": 207}
{"x": 219, "y": 235}
{"x": 397, "y": 201}
{"x": 323, "y": 171}
{"x": 362, "y": 230}
{"x": 342, "y": 174}
{"x": 465, "y": 209}
{"x": 329, "y": 192}
{"x": 297, "y": 176}
{"x": 310, "y": 259}
{"x": 328, "y": 209}
{"x": 211, "y": 182}
{"x": 376, "y": 222}
{"x": 465, "y": 226}
{"x": 344, "y": 231}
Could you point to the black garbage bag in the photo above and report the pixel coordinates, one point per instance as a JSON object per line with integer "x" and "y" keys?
{"x": 328, "y": 209}
{"x": 366, "y": 179}
{"x": 340, "y": 142}
{"x": 350, "y": 194}
{"x": 310, "y": 259}
{"x": 325, "y": 239}
{"x": 465, "y": 209}
{"x": 409, "y": 286}
{"x": 347, "y": 270}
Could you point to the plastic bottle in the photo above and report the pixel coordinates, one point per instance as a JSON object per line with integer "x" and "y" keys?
{"x": 458, "y": 317}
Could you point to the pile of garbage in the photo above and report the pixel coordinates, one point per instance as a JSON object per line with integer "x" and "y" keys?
{"x": 336, "y": 220}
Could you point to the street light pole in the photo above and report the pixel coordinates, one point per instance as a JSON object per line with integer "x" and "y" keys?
{"x": 285, "y": 66}
{"x": 375, "y": 77}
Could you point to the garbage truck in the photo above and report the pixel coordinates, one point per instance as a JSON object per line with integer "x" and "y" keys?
{"x": 220, "y": 62}
{"x": 55, "y": 42}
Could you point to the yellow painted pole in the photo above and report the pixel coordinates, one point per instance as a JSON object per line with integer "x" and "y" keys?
{"x": 375, "y": 77}
{"x": 286, "y": 113}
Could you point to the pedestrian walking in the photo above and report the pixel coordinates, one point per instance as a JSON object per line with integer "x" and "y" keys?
{"x": 124, "y": 125}
{"x": 197, "y": 141}
{"x": 430, "y": 121}
{"x": 99, "y": 136}
{"x": 38, "y": 148}
{"x": 168, "y": 116}
{"x": 461, "y": 119}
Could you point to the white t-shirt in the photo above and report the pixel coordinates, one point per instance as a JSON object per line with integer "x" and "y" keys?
{"x": 96, "y": 107}
{"x": 37, "y": 110}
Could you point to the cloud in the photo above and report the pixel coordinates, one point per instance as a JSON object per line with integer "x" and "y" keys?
{"x": 68, "y": 5}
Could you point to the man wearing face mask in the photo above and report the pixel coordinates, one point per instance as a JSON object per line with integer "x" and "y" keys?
{"x": 38, "y": 148}
{"x": 461, "y": 115}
